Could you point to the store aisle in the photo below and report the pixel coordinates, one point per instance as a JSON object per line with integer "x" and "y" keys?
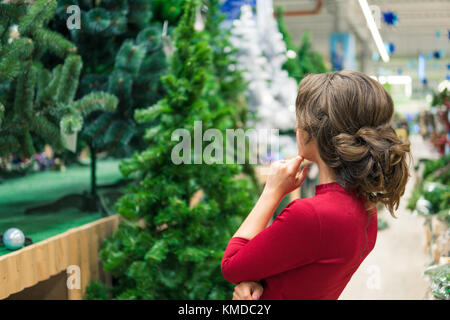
{"x": 394, "y": 268}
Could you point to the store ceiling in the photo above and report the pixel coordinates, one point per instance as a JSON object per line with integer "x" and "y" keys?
{"x": 418, "y": 23}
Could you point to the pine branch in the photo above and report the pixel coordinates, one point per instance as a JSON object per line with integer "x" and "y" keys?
{"x": 46, "y": 130}
{"x": 38, "y": 14}
{"x": 130, "y": 57}
{"x": 2, "y": 113}
{"x": 8, "y": 145}
{"x": 27, "y": 143}
{"x": 24, "y": 99}
{"x": 12, "y": 11}
{"x": 99, "y": 125}
{"x": 11, "y": 55}
{"x": 68, "y": 79}
{"x": 49, "y": 93}
{"x": 54, "y": 42}
{"x": 95, "y": 101}
{"x": 44, "y": 80}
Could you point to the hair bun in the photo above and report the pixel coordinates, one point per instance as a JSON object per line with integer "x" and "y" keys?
{"x": 368, "y": 161}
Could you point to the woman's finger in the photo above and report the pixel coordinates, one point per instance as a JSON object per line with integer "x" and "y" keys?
{"x": 302, "y": 176}
{"x": 257, "y": 292}
{"x": 243, "y": 291}
{"x": 294, "y": 165}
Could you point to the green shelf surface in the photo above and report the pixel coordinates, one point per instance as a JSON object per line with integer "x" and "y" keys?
{"x": 18, "y": 194}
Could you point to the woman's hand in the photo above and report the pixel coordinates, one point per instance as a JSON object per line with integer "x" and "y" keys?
{"x": 284, "y": 177}
{"x": 248, "y": 290}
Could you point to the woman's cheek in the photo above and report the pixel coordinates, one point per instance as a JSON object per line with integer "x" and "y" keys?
{"x": 300, "y": 146}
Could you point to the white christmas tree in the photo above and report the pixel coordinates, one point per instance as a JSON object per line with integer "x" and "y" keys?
{"x": 261, "y": 53}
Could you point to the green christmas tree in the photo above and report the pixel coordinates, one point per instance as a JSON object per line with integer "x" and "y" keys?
{"x": 122, "y": 45}
{"x": 291, "y": 65}
{"x": 167, "y": 10}
{"x": 310, "y": 61}
{"x": 166, "y": 246}
{"x": 306, "y": 60}
{"x": 39, "y": 72}
{"x": 231, "y": 86}
{"x": 123, "y": 50}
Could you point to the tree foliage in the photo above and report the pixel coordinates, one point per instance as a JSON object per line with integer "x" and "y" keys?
{"x": 168, "y": 247}
{"x": 121, "y": 42}
{"x": 38, "y": 101}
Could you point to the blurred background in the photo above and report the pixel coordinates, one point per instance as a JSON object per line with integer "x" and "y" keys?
{"x": 404, "y": 45}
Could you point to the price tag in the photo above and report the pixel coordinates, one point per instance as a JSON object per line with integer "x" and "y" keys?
{"x": 69, "y": 141}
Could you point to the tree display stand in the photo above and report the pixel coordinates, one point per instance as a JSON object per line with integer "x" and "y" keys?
{"x": 38, "y": 262}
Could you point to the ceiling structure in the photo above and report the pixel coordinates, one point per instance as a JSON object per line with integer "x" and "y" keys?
{"x": 419, "y": 24}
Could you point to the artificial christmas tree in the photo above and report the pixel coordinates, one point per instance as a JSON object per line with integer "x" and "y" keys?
{"x": 167, "y": 246}
{"x": 310, "y": 61}
{"x": 122, "y": 45}
{"x": 231, "y": 81}
{"x": 231, "y": 84}
{"x": 167, "y": 10}
{"x": 291, "y": 65}
{"x": 300, "y": 61}
{"x": 37, "y": 97}
{"x": 271, "y": 93}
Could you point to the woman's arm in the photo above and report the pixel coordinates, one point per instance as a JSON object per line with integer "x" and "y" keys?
{"x": 256, "y": 252}
{"x": 283, "y": 178}
{"x": 292, "y": 240}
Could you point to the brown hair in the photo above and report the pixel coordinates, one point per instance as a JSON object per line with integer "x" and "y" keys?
{"x": 349, "y": 115}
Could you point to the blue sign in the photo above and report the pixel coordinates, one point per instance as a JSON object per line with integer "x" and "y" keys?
{"x": 342, "y": 51}
{"x": 232, "y": 8}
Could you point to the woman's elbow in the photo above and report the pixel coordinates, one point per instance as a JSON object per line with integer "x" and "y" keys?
{"x": 229, "y": 273}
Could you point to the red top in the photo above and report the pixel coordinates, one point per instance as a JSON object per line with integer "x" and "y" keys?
{"x": 311, "y": 249}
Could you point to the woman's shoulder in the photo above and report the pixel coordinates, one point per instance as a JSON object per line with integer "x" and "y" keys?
{"x": 299, "y": 215}
{"x": 336, "y": 207}
{"x": 300, "y": 210}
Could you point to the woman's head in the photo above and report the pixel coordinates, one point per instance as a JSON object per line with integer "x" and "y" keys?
{"x": 344, "y": 117}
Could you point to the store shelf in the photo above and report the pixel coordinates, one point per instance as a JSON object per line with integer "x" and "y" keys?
{"x": 38, "y": 262}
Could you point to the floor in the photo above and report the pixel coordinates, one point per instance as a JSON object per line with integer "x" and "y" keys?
{"x": 394, "y": 269}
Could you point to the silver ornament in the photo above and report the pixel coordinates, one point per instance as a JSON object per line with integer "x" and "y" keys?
{"x": 13, "y": 239}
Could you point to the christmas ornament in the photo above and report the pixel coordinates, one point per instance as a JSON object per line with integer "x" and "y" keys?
{"x": 423, "y": 206}
{"x": 437, "y": 54}
{"x": 390, "y": 47}
{"x": 13, "y": 239}
{"x": 390, "y": 18}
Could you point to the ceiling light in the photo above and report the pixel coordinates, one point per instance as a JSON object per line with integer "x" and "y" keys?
{"x": 374, "y": 30}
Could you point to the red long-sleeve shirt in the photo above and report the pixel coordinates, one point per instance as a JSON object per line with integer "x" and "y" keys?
{"x": 310, "y": 250}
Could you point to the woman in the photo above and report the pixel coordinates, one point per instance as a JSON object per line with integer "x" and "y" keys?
{"x": 313, "y": 247}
